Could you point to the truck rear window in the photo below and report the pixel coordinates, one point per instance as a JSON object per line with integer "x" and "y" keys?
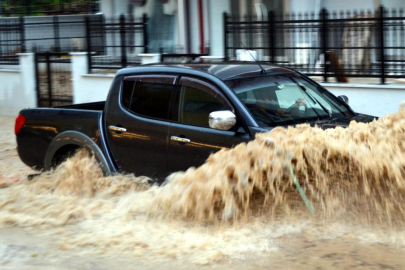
{"x": 148, "y": 99}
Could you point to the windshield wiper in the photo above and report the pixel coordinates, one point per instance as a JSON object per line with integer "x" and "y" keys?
{"x": 320, "y": 104}
{"x": 313, "y": 98}
{"x": 322, "y": 90}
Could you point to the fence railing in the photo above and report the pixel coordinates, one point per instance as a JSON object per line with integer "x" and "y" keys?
{"x": 41, "y": 34}
{"x": 328, "y": 44}
{"x": 110, "y": 43}
{"x": 123, "y": 39}
{"x": 53, "y": 72}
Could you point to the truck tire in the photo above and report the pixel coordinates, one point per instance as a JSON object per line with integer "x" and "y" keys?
{"x": 67, "y": 143}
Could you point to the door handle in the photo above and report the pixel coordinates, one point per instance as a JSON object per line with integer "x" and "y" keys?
{"x": 179, "y": 139}
{"x": 117, "y": 129}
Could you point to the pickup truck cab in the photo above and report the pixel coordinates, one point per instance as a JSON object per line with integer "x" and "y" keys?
{"x": 159, "y": 119}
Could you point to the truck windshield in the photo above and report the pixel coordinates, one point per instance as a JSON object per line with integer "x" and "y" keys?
{"x": 286, "y": 99}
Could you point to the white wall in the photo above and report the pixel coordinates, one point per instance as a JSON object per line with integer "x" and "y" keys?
{"x": 348, "y": 5}
{"x": 11, "y": 92}
{"x": 17, "y": 87}
{"x": 302, "y": 6}
{"x": 107, "y": 8}
{"x": 88, "y": 87}
{"x": 341, "y": 5}
{"x": 92, "y": 88}
{"x": 396, "y": 4}
{"x": 194, "y": 27}
{"x": 120, "y": 7}
{"x": 370, "y": 99}
{"x": 181, "y": 27}
{"x": 216, "y": 10}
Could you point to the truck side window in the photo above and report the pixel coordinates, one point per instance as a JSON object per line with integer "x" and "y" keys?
{"x": 127, "y": 91}
{"x": 197, "y": 101}
{"x": 148, "y": 99}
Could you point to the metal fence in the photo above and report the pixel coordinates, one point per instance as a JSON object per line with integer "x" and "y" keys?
{"x": 110, "y": 43}
{"x": 123, "y": 39}
{"x": 11, "y": 36}
{"x": 53, "y": 79}
{"x": 328, "y": 44}
{"x": 42, "y": 34}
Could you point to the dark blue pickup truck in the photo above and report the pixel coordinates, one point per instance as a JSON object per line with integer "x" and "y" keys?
{"x": 159, "y": 119}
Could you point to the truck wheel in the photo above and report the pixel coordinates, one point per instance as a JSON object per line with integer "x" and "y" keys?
{"x": 63, "y": 154}
{"x": 67, "y": 143}
{"x": 81, "y": 161}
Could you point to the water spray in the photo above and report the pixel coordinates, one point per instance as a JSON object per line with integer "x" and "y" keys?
{"x": 304, "y": 197}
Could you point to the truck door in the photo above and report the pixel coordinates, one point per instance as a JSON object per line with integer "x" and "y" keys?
{"x": 138, "y": 124}
{"x": 195, "y": 101}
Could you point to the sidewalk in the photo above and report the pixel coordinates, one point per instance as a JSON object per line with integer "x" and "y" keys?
{"x": 375, "y": 81}
{"x": 367, "y": 95}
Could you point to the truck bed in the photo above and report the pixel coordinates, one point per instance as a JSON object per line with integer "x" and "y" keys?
{"x": 93, "y": 106}
{"x": 42, "y": 125}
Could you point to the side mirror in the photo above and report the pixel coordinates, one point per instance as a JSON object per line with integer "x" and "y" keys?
{"x": 344, "y": 98}
{"x": 222, "y": 120}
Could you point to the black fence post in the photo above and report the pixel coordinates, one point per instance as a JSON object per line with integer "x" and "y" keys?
{"x": 161, "y": 52}
{"x": 48, "y": 74}
{"x": 60, "y": 6}
{"x": 37, "y": 79}
{"x": 93, "y": 6}
{"x": 27, "y": 7}
{"x": 272, "y": 36}
{"x": 103, "y": 35}
{"x": 225, "y": 16}
{"x": 88, "y": 44}
{"x": 324, "y": 30}
{"x": 145, "y": 33}
{"x": 382, "y": 45}
{"x": 56, "y": 33}
{"x": 22, "y": 35}
{"x": 1, "y": 34}
{"x": 123, "y": 42}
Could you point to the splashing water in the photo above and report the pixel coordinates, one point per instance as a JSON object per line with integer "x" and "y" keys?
{"x": 359, "y": 170}
{"x": 236, "y": 204}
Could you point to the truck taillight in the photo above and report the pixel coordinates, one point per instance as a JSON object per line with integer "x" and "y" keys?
{"x": 19, "y": 123}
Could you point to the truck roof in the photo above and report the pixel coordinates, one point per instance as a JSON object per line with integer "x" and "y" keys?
{"x": 221, "y": 71}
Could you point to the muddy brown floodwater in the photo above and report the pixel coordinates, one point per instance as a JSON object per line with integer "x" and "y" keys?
{"x": 241, "y": 210}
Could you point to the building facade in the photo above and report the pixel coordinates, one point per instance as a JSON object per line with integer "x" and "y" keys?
{"x": 196, "y": 26}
